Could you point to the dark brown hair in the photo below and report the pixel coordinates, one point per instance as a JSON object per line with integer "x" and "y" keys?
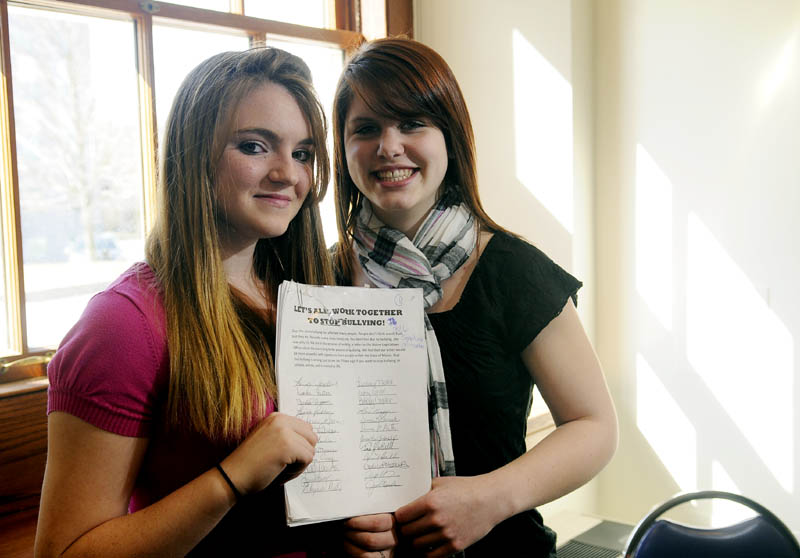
{"x": 401, "y": 78}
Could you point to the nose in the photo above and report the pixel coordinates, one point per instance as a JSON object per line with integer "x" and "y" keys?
{"x": 284, "y": 170}
{"x": 391, "y": 143}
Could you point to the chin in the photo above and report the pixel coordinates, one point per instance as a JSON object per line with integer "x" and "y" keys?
{"x": 275, "y": 233}
{"x": 270, "y": 231}
{"x": 392, "y": 203}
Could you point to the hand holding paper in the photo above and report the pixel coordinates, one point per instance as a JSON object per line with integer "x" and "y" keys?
{"x": 279, "y": 447}
{"x": 352, "y": 362}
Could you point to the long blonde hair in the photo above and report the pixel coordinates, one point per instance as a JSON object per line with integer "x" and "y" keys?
{"x": 221, "y": 366}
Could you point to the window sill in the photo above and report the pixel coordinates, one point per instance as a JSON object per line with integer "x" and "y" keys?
{"x": 22, "y": 387}
{"x": 32, "y": 366}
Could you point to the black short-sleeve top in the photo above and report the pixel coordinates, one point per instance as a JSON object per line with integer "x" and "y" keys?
{"x": 514, "y": 291}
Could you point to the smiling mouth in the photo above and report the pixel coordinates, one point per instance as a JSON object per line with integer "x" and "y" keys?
{"x": 278, "y": 200}
{"x": 395, "y": 175}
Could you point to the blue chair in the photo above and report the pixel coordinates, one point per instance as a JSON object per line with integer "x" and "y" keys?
{"x": 761, "y": 536}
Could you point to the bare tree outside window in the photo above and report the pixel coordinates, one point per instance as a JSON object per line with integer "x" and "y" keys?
{"x": 79, "y": 161}
{"x": 77, "y": 124}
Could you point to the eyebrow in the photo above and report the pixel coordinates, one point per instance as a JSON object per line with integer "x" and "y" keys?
{"x": 357, "y": 119}
{"x": 270, "y": 136}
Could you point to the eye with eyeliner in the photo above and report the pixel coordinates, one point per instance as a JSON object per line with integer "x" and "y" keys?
{"x": 252, "y": 147}
{"x": 411, "y": 125}
{"x": 303, "y": 155}
{"x": 368, "y": 128}
{"x": 364, "y": 129}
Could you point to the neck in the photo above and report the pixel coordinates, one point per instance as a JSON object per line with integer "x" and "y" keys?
{"x": 237, "y": 261}
{"x": 407, "y": 223}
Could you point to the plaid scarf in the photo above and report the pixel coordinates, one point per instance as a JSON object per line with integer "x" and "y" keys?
{"x": 442, "y": 244}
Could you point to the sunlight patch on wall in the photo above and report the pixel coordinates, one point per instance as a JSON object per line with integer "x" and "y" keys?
{"x": 721, "y": 480}
{"x": 776, "y": 75}
{"x": 665, "y": 426}
{"x": 725, "y": 512}
{"x": 543, "y": 130}
{"x": 741, "y": 350}
{"x": 654, "y": 237}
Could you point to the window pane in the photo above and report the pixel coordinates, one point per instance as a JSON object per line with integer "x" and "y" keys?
{"x": 217, "y": 5}
{"x": 77, "y": 132}
{"x": 313, "y": 13}
{"x": 325, "y": 64}
{"x": 177, "y": 50}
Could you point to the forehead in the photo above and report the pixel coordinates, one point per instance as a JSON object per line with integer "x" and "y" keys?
{"x": 270, "y": 106}
{"x": 360, "y": 109}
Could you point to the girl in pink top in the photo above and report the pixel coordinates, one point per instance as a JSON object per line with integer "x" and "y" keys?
{"x": 162, "y": 440}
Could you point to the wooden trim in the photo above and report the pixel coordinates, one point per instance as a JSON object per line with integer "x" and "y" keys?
{"x": 346, "y": 12}
{"x": 19, "y": 534}
{"x": 9, "y": 359}
{"x": 199, "y": 16}
{"x": 258, "y": 39}
{"x": 23, "y": 454}
{"x": 9, "y": 190}
{"x": 148, "y": 125}
{"x": 34, "y": 366}
{"x": 400, "y": 18}
{"x": 21, "y": 387}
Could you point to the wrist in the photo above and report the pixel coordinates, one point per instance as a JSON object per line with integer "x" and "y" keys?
{"x": 502, "y": 495}
{"x": 235, "y": 467}
{"x": 221, "y": 495}
{"x": 231, "y": 485}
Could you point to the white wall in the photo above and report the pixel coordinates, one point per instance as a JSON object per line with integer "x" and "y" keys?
{"x": 678, "y": 158}
{"x": 698, "y": 187}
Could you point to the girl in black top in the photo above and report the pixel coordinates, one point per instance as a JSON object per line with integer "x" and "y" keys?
{"x": 503, "y": 313}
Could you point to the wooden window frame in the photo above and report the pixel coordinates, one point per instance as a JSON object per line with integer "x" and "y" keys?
{"x": 346, "y": 16}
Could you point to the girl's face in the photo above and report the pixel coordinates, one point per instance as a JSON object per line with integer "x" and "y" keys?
{"x": 265, "y": 171}
{"x": 398, "y": 165}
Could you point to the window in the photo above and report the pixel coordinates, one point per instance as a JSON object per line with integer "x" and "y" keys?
{"x": 87, "y": 88}
{"x": 78, "y": 161}
{"x": 314, "y": 13}
{"x": 172, "y": 64}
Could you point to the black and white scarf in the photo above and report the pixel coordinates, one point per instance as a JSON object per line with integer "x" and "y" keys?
{"x": 442, "y": 244}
